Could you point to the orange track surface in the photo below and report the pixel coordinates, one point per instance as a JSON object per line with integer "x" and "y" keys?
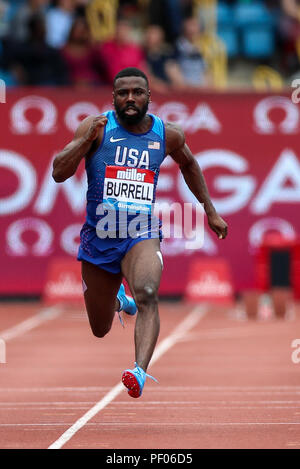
{"x": 226, "y": 384}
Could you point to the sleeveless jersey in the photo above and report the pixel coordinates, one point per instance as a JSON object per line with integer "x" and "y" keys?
{"x": 123, "y": 172}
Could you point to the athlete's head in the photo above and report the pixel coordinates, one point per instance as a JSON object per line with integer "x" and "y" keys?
{"x": 131, "y": 95}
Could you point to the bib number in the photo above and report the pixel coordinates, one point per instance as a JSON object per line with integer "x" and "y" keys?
{"x": 130, "y": 189}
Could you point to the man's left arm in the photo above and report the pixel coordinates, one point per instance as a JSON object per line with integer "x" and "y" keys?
{"x": 193, "y": 176}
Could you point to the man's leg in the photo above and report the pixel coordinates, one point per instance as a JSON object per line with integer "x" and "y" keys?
{"x": 142, "y": 269}
{"x": 100, "y": 297}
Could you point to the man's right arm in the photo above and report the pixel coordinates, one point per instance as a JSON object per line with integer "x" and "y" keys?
{"x": 90, "y": 131}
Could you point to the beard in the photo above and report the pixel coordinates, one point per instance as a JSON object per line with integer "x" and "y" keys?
{"x": 135, "y": 118}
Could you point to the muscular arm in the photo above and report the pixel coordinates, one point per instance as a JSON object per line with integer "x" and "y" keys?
{"x": 188, "y": 165}
{"x": 193, "y": 176}
{"x": 86, "y": 138}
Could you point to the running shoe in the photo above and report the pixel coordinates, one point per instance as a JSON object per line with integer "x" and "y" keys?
{"x": 127, "y": 303}
{"x": 134, "y": 380}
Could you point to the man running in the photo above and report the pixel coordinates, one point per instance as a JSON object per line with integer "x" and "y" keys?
{"x": 123, "y": 151}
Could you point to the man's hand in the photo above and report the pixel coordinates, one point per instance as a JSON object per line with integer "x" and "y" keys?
{"x": 218, "y": 225}
{"x": 66, "y": 162}
{"x": 93, "y": 131}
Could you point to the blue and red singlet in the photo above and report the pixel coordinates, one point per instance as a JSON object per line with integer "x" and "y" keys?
{"x": 122, "y": 177}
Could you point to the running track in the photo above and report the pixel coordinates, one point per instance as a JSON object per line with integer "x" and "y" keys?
{"x": 223, "y": 382}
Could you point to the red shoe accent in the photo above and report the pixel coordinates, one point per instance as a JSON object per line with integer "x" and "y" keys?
{"x": 131, "y": 383}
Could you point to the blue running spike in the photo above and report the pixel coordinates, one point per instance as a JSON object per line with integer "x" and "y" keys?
{"x": 134, "y": 380}
{"x": 127, "y": 303}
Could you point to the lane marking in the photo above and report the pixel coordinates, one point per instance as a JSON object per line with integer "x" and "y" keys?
{"x": 146, "y": 424}
{"x": 187, "y": 324}
{"x": 230, "y": 332}
{"x": 148, "y": 403}
{"x": 44, "y": 315}
{"x": 118, "y": 411}
{"x": 58, "y": 389}
{"x": 197, "y": 389}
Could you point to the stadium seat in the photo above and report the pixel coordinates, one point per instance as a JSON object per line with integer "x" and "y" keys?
{"x": 229, "y": 36}
{"x": 253, "y": 13}
{"x": 8, "y": 78}
{"x": 258, "y": 42}
{"x": 255, "y": 24}
{"x": 12, "y": 8}
{"x": 226, "y": 29}
{"x": 224, "y": 15}
{"x": 266, "y": 78}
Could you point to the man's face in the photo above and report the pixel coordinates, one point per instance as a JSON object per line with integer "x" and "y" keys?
{"x": 123, "y": 32}
{"x": 131, "y": 99}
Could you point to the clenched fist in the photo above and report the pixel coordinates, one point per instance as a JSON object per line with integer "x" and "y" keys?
{"x": 218, "y": 225}
{"x": 94, "y": 128}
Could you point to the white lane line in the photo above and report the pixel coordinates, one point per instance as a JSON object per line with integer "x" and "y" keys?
{"x": 149, "y": 403}
{"x": 145, "y": 407}
{"x": 215, "y": 389}
{"x": 44, "y": 315}
{"x": 154, "y": 424}
{"x": 187, "y": 324}
{"x": 71, "y": 389}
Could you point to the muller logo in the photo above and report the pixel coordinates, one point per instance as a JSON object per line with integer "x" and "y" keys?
{"x": 131, "y": 174}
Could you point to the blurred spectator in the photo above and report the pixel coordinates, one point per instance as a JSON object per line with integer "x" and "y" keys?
{"x": 4, "y": 17}
{"x": 189, "y": 58}
{"x": 80, "y": 55}
{"x": 19, "y": 24}
{"x": 33, "y": 61}
{"x": 290, "y": 33}
{"x": 161, "y": 58}
{"x": 59, "y": 21}
{"x": 121, "y": 52}
{"x": 128, "y": 7}
{"x": 169, "y": 14}
{"x": 291, "y": 8}
{"x": 80, "y": 7}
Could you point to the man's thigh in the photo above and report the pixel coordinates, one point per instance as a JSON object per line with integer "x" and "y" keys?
{"x": 101, "y": 288}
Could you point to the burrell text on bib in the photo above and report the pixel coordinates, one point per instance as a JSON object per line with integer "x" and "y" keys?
{"x": 129, "y": 188}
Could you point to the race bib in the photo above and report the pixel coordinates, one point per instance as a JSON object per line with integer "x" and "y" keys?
{"x": 130, "y": 189}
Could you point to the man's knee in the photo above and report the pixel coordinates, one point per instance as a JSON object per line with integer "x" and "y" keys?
{"x": 146, "y": 295}
{"x": 100, "y": 331}
{"x": 100, "y": 324}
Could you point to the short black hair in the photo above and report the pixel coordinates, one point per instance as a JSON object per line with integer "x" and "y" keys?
{"x": 131, "y": 72}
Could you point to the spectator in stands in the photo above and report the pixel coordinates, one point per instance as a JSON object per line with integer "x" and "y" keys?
{"x": 19, "y": 23}
{"x": 4, "y": 17}
{"x": 80, "y": 7}
{"x": 189, "y": 57}
{"x": 161, "y": 59}
{"x": 34, "y": 61}
{"x": 291, "y": 8}
{"x": 121, "y": 51}
{"x": 290, "y": 33}
{"x": 127, "y": 7}
{"x": 80, "y": 56}
{"x": 169, "y": 14}
{"x": 59, "y": 20}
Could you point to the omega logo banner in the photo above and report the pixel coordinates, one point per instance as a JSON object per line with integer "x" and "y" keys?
{"x": 246, "y": 144}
